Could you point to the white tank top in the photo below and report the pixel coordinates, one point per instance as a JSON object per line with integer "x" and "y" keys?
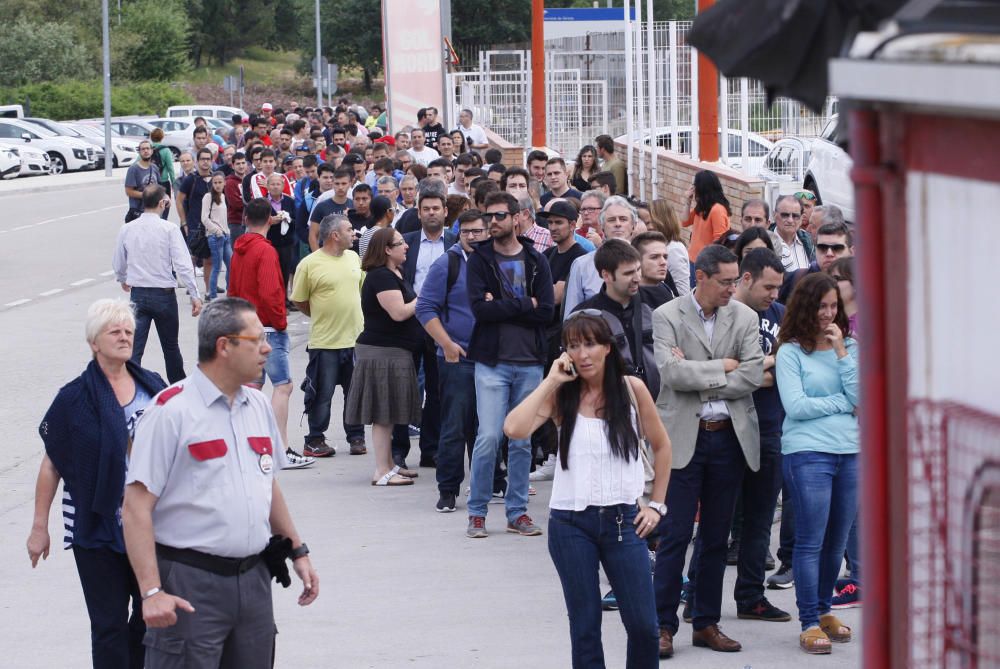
{"x": 595, "y": 477}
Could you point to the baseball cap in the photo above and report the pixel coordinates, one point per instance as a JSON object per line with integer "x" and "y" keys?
{"x": 301, "y": 147}
{"x": 379, "y": 206}
{"x": 562, "y": 209}
{"x": 267, "y": 106}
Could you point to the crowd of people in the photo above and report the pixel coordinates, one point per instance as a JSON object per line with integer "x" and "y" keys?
{"x": 692, "y": 380}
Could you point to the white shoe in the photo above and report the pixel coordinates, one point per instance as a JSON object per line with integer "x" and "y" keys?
{"x": 199, "y": 271}
{"x": 545, "y": 471}
{"x": 297, "y": 460}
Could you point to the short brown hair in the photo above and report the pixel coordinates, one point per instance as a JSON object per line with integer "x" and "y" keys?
{"x": 156, "y": 135}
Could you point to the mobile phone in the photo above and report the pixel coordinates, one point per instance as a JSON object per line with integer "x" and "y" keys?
{"x": 572, "y": 370}
{"x": 584, "y": 231}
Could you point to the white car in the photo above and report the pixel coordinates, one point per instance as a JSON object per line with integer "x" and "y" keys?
{"x": 10, "y": 163}
{"x": 66, "y": 153}
{"x": 784, "y": 167}
{"x": 126, "y": 151}
{"x": 34, "y": 161}
{"x": 206, "y": 111}
{"x": 828, "y": 172}
{"x": 759, "y": 146}
{"x": 184, "y": 127}
{"x": 139, "y": 128}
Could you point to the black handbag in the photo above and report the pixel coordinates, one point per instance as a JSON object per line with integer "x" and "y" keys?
{"x": 198, "y": 244}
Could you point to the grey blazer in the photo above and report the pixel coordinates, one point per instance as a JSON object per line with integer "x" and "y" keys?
{"x": 685, "y": 385}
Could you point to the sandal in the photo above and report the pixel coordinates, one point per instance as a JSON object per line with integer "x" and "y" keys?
{"x": 393, "y": 478}
{"x": 814, "y": 641}
{"x": 830, "y": 624}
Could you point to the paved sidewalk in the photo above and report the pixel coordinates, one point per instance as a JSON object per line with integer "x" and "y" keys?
{"x": 57, "y": 182}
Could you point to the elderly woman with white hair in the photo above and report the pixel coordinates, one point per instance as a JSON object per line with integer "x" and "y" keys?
{"x": 87, "y": 433}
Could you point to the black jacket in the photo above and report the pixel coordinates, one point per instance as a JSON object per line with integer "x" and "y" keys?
{"x": 484, "y": 277}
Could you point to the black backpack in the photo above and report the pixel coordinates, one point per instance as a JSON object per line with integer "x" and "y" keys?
{"x": 157, "y": 158}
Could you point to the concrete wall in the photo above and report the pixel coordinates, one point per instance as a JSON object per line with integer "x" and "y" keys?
{"x": 513, "y": 155}
{"x": 676, "y": 174}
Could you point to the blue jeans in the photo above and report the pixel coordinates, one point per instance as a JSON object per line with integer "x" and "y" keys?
{"x": 457, "y": 381}
{"x": 786, "y": 546}
{"x": 222, "y": 252}
{"x": 854, "y": 552}
{"x": 713, "y": 476}
{"x": 824, "y": 488}
{"x": 498, "y": 390}
{"x": 579, "y": 542}
{"x": 327, "y": 369}
{"x": 159, "y": 306}
{"x": 108, "y": 588}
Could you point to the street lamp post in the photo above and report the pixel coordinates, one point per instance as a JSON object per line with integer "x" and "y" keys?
{"x": 318, "y": 65}
{"x": 105, "y": 29}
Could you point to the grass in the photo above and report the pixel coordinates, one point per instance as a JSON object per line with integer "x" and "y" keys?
{"x": 259, "y": 66}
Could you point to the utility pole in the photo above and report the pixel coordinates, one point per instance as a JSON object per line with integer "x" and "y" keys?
{"x": 106, "y": 35}
{"x": 708, "y": 102}
{"x": 538, "y": 138}
{"x": 319, "y": 63}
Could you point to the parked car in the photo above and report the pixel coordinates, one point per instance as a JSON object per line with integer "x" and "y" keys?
{"x": 11, "y": 111}
{"x": 34, "y": 161}
{"x": 759, "y": 146}
{"x": 10, "y": 163}
{"x": 65, "y": 130}
{"x": 185, "y": 125}
{"x": 784, "y": 167}
{"x": 126, "y": 151}
{"x": 66, "y": 153}
{"x": 139, "y": 128}
{"x": 828, "y": 172}
{"x": 208, "y": 111}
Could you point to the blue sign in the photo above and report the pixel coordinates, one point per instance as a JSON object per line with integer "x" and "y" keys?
{"x": 589, "y": 14}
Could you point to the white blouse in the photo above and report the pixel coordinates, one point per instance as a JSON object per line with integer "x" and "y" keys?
{"x": 595, "y": 477}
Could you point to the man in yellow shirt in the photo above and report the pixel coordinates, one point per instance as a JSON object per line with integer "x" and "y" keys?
{"x": 327, "y": 289}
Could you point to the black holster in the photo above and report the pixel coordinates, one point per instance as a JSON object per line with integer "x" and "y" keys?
{"x": 275, "y": 556}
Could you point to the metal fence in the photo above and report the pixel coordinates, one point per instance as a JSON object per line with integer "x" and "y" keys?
{"x": 587, "y": 95}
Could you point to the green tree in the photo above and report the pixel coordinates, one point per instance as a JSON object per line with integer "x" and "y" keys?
{"x": 351, "y": 35}
{"x": 53, "y": 53}
{"x": 223, "y": 29}
{"x": 151, "y": 42}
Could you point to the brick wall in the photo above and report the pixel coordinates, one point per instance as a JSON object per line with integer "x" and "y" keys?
{"x": 513, "y": 155}
{"x": 676, "y": 174}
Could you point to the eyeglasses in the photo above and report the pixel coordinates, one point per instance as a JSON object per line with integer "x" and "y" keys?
{"x": 589, "y": 210}
{"x": 805, "y": 195}
{"x": 472, "y": 232}
{"x": 262, "y": 339}
{"x": 789, "y": 214}
{"x": 396, "y": 244}
{"x": 727, "y": 283}
{"x": 596, "y": 313}
{"x": 826, "y": 248}
{"x": 497, "y": 215}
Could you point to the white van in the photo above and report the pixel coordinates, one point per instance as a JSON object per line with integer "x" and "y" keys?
{"x": 11, "y": 111}
{"x": 208, "y": 111}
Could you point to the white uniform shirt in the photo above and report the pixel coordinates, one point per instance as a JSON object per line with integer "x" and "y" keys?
{"x": 211, "y": 466}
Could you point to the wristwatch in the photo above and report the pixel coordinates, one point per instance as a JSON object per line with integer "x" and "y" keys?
{"x": 299, "y": 552}
{"x": 149, "y": 593}
{"x": 659, "y": 507}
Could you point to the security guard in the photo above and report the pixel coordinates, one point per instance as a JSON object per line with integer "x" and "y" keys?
{"x": 201, "y": 503}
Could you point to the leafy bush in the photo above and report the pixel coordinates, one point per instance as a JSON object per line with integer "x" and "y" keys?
{"x": 85, "y": 99}
{"x": 54, "y": 52}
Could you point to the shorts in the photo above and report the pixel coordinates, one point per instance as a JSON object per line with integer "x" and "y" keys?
{"x": 276, "y": 367}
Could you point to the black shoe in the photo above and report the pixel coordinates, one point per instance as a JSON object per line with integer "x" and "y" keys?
{"x": 769, "y": 562}
{"x": 686, "y": 614}
{"x": 290, "y": 306}
{"x": 763, "y": 610}
{"x": 733, "y": 553}
{"x": 428, "y": 461}
{"x": 446, "y": 502}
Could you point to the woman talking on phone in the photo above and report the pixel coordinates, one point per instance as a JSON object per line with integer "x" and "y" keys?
{"x": 596, "y": 519}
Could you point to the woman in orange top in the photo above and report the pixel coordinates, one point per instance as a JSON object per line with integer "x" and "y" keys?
{"x": 710, "y": 215}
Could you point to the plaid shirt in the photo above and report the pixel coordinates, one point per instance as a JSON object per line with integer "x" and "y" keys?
{"x": 540, "y": 237}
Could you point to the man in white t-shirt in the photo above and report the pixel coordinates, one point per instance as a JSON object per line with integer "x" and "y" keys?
{"x": 475, "y": 136}
{"x": 421, "y": 153}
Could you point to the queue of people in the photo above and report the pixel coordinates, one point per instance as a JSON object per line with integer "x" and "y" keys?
{"x": 524, "y": 324}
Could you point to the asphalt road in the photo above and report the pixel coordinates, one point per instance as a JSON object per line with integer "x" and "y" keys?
{"x": 401, "y": 586}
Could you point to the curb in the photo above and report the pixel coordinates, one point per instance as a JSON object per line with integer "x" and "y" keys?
{"x": 102, "y": 181}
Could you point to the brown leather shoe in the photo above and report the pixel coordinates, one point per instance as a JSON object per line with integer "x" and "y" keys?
{"x": 666, "y": 643}
{"x": 712, "y": 637}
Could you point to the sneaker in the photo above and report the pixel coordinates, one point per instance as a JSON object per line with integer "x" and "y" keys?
{"x": 545, "y": 472}
{"x": 297, "y": 460}
{"x": 413, "y": 430}
{"x": 781, "y": 579}
{"x": 358, "y": 446}
{"x": 769, "y": 561}
{"x": 733, "y": 553}
{"x": 609, "y": 602}
{"x": 524, "y": 526}
{"x": 763, "y": 610}
{"x": 199, "y": 271}
{"x": 532, "y": 490}
{"x": 446, "y": 502}
{"x": 477, "y": 527}
{"x": 849, "y": 597}
{"x": 498, "y": 496}
{"x": 841, "y": 584}
{"x": 686, "y": 614}
{"x": 318, "y": 448}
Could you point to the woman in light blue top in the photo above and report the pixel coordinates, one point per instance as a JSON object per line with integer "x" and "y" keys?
{"x": 817, "y": 376}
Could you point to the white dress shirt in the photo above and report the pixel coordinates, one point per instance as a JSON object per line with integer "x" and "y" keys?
{"x": 717, "y": 409}
{"x": 429, "y": 251}
{"x": 148, "y": 252}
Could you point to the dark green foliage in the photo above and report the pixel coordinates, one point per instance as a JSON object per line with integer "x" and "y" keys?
{"x": 85, "y": 99}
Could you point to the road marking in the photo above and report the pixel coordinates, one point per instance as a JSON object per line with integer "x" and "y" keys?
{"x": 17, "y": 303}
{"x": 61, "y": 218}
{"x": 81, "y": 282}
{"x": 51, "y": 292}
{"x": 108, "y": 273}
{"x": 20, "y": 227}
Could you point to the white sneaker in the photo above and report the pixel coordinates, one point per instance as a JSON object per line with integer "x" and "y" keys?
{"x": 545, "y": 471}
{"x": 199, "y": 271}
{"x": 297, "y": 460}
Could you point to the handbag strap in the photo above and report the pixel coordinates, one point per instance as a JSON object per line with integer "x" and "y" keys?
{"x": 634, "y": 401}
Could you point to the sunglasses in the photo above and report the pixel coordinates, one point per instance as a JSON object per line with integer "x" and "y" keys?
{"x": 497, "y": 215}
{"x": 396, "y": 244}
{"x": 805, "y": 195}
{"x": 826, "y": 248}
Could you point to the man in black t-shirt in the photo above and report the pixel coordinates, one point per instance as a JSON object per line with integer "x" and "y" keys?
{"x": 562, "y": 224}
{"x": 432, "y": 128}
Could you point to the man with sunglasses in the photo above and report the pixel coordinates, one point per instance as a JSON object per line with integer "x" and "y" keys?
{"x": 807, "y": 199}
{"x": 796, "y": 250}
{"x": 510, "y": 291}
{"x": 833, "y": 241}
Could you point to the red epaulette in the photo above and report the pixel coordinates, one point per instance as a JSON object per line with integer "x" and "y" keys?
{"x": 167, "y": 394}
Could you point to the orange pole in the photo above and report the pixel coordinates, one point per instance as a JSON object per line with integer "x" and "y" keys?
{"x": 538, "y": 73}
{"x": 708, "y": 102}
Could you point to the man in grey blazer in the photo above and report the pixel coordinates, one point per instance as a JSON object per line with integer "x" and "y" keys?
{"x": 708, "y": 352}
